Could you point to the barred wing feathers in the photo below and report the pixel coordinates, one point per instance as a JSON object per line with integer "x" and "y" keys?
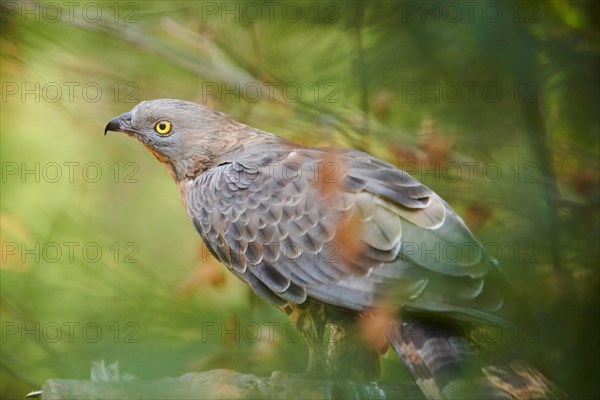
{"x": 342, "y": 227}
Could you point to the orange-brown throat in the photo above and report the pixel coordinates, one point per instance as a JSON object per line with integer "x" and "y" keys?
{"x": 156, "y": 154}
{"x": 165, "y": 161}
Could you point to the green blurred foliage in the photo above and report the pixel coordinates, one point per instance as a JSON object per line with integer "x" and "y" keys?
{"x": 431, "y": 87}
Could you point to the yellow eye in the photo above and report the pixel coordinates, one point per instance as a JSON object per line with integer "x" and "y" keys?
{"x": 163, "y": 127}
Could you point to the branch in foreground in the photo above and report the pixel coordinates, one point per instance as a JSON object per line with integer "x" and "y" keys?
{"x": 227, "y": 384}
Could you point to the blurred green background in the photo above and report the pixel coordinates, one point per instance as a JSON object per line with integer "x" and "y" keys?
{"x": 492, "y": 104}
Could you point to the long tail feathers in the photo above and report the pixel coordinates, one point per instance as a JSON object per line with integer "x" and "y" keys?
{"x": 523, "y": 381}
{"x": 446, "y": 366}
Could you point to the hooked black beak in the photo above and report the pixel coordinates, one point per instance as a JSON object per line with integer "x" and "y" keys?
{"x": 122, "y": 123}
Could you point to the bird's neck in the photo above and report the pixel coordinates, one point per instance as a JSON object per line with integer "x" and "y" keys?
{"x": 212, "y": 149}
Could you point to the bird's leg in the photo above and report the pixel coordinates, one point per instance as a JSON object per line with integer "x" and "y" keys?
{"x": 313, "y": 329}
{"x": 317, "y": 364}
{"x": 311, "y": 321}
{"x": 350, "y": 356}
{"x": 346, "y": 353}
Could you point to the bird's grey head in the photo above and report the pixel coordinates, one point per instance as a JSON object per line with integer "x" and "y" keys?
{"x": 179, "y": 133}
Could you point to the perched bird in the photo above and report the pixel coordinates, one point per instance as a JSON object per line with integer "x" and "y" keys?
{"x": 338, "y": 238}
